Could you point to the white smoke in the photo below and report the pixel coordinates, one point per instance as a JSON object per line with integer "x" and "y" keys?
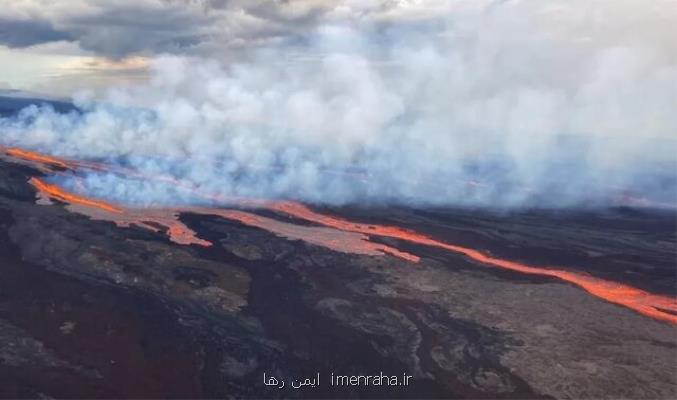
{"x": 518, "y": 103}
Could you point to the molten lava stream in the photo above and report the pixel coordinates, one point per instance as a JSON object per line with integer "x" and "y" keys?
{"x": 57, "y": 193}
{"x": 334, "y": 239}
{"x": 38, "y": 158}
{"x": 643, "y": 302}
{"x": 624, "y": 295}
{"x": 155, "y": 219}
{"x": 151, "y": 219}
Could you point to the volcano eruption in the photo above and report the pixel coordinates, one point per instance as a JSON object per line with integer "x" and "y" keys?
{"x": 340, "y": 239}
{"x": 344, "y": 243}
{"x": 301, "y": 199}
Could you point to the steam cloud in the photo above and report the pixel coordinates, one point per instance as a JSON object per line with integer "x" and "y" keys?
{"x": 516, "y": 104}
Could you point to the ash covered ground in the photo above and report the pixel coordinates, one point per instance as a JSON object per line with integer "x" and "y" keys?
{"x": 91, "y": 309}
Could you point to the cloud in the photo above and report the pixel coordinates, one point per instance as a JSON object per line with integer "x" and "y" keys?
{"x": 516, "y": 104}
{"x": 94, "y": 75}
{"x": 118, "y": 28}
{"x": 27, "y": 32}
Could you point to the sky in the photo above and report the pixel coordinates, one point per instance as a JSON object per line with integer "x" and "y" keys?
{"x": 59, "y": 47}
{"x": 62, "y": 46}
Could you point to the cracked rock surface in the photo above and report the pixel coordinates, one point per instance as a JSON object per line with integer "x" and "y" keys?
{"x": 88, "y": 309}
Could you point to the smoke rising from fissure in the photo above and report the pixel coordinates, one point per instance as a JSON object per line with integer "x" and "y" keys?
{"x": 517, "y": 104}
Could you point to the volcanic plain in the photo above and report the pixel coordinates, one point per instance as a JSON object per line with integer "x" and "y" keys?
{"x": 93, "y": 305}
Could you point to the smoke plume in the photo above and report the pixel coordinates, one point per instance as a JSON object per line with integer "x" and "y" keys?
{"x": 515, "y": 104}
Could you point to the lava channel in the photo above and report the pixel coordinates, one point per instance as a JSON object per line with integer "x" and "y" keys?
{"x": 167, "y": 220}
{"x": 655, "y": 306}
{"x": 40, "y": 159}
{"x": 643, "y": 302}
{"x": 55, "y": 192}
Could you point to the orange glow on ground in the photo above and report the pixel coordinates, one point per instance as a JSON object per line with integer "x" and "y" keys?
{"x": 635, "y": 299}
{"x": 178, "y": 233}
{"x": 57, "y": 193}
{"x": 37, "y": 157}
{"x": 655, "y": 306}
{"x": 337, "y": 240}
{"x": 150, "y": 219}
{"x": 155, "y": 219}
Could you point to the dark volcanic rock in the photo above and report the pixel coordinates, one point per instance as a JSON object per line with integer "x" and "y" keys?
{"x": 88, "y": 309}
{"x": 13, "y": 182}
{"x": 11, "y": 105}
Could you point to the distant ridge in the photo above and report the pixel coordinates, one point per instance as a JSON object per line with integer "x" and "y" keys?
{"x": 13, "y": 101}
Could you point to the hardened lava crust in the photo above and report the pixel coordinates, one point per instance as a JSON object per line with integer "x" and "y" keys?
{"x": 90, "y": 308}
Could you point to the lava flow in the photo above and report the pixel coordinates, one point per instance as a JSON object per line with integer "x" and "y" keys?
{"x": 635, "y": 299}
{"x": 56, "y": 192}
{"x": 167, "y": 220}
{"x": 122, "y": 217}
{"x": 357, "y": 241}
{"x": 334, "y": 239}
{"x": 38, "y": 158}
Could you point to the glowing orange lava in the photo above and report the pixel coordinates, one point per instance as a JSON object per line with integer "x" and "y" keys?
{"x": 37, "y": 157}
{"x": 337, "y": 240}
{"x": 180, "y": 234}
{"x": 656, "y": 306}
{"x": 635, "y": 299}
{"x": 151, "y": 219}
{"x": 56, "y": 192}
{"x": 155, "y": 219}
